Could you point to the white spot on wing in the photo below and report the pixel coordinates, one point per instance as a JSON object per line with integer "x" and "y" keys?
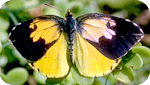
{"x": 127, "y": 20}
{"x": 19, "y": 23}
{"x": 141, "y": 30}
{"x": 13, "y": 28}
{"x": 135, "y": 24}
{"x": 9, "y": 34}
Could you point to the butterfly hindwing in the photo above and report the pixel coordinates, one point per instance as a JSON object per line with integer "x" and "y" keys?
{"x": 111, "y": 36}
{"x": 42, "y": 42}
{"x": 89, "y": 61}
{"x": 55, "y": 62}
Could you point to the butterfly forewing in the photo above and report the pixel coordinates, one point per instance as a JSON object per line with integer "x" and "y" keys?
{"x": 111, "y": 36}
{"x": 41, "y": 40}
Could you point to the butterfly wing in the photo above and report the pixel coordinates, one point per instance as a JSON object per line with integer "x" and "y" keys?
{"x": 89, "y": 61}
{"x": 101, "y": 40}
{"x": 41, "y": 41}
{"x": 112, "y": 36}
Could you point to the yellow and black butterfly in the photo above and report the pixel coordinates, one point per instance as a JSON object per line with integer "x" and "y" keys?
{"x": 93, "y": 43}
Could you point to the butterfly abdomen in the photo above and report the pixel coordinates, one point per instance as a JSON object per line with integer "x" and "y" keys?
{"x": 71, "y": 43}
{"x": 69, "y": 29}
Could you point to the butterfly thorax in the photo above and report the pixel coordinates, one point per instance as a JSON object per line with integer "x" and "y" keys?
{"x": 70, "y": 23}
{"x": 69, "y": 29}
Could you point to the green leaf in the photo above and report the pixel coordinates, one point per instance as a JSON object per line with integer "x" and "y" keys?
{"x": 68, "y": 80}
{"x": 51, "y": 81}
{"x": 3, "y": 36}
{"x": 8, "y": 52}
{"x": 17, "y": 76}
{"x": 20, "y": 58}
{"x": 139, "y": 44}
{"x": 125, "y": 75}
{"x": 81, "y": 79}
{"x": 4, "y": 77}
{"x": 39, "y": 78}
{"x": 51, "y": 11}
{"x": 63, "y": 5}
{"x": 30, "y": 3}
{"x": 110, "y": 79}
{"x": 136, "y": 62}
{"x": 13, "y": 18}
{"x": 4, "y": 21}
{"x": 15, "y": 4}
{"x": 100, "y": 81}
{"x": 144, "y": 52}
{"x": 3, "y": 60}
{"x": 116, "y": 4}
{"x": 0, "y": 47}
{"x": 127, "y": 57}
{"x": 141, "y": 75}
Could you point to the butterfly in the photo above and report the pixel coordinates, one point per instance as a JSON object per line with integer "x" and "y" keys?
{"x": 94, "y": 43}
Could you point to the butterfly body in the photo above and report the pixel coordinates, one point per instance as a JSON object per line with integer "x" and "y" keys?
{"x": 93, "y": 43}
{"x": 69, "y": 29}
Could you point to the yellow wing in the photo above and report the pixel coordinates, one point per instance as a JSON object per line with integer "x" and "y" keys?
{"x": 54, "y": 63}
{"x": 89, "y": 61}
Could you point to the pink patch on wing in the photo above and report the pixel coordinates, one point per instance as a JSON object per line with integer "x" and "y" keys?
{"x": 93, "y": 29}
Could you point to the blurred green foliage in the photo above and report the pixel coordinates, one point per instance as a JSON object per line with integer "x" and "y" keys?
{"x": 133, "y": 69}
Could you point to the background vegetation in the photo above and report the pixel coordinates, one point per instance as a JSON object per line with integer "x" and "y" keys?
{"x": 134, "y": 68}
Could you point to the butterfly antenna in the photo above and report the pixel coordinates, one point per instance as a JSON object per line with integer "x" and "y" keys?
{"x": 107, "y": 79}
{"x": 74, "y": 5}
{"x": 54, "y": 7}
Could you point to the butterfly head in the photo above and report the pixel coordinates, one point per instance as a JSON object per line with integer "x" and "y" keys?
{"x": 68, "y": 14}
